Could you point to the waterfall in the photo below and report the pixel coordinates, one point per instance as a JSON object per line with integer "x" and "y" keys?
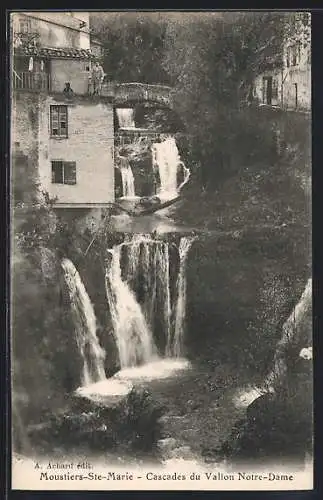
{"x": 128, "y": 181}
{"x": 148, "y": 270}
{"x": 85, "y": 326}
{"x": 186, "y": 176}
{"x": 126, "y": 117}
{"x": 138, "y": 285}
{"x": 184, "y": 247}
{"x": 133, "y": 336}
{"x": 167, "y": 162}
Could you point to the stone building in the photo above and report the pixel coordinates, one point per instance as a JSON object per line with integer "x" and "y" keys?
{"x": 288, "y": 83}
{"x": 60, "y": 139}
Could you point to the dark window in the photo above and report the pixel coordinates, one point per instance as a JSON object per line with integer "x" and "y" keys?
{"x": 63, "y": 172}
{"x": 296, "y": 95}
{"x": 58, "y": 121}
{"x": 267, "y": 90}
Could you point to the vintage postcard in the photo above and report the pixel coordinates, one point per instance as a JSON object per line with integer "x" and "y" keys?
{"x": 161, "y": 276}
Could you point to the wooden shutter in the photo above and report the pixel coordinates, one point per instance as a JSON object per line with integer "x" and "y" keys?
{"x": 70, "y": 172}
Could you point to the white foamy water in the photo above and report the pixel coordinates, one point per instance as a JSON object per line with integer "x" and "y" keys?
{"x": 106, "y": 390}
{"x": 148, "y": 259}
{"x": 138, "y": 289}
{"x": 167, "y": 161}
{"x": 161, "y": 369}
{"x": 133, "y": 336}
{"x": 85, "y": 326}
{"x": 145, "y": 313}
{"x": 126, "y": 118}
{"x": 177, "y": 348}
{"x": 127, "y": 177}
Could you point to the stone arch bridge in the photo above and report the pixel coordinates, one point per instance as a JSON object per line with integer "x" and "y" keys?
{"x": 132, "y": 93}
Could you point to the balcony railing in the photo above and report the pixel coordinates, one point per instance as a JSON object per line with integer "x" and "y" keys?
{"x": 29, "y": 80}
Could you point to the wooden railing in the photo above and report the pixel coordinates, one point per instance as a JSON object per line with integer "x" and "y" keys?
{"x": 30, "y": 80}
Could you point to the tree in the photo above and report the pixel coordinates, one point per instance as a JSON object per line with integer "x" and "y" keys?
{"x": 211, "y": 60}
{"x": 133, "y": 46}
{"x": 212, "y": 63}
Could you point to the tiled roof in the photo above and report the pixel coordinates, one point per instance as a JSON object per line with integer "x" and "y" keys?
{"x": 55, "y": 52}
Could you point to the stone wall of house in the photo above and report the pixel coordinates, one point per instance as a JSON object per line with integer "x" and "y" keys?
{"x": 56, "y": 29}
{"x": 292, "y": 79}
{"x": 89, "y": 143}
{"x": 294, "y": 88}
{"x": 25, "y": 123}
{"x": 297, "y": 89}
{"x": 74, "y": 71}
{"x": 24, "y": 145}
{"x": 258, "y": 92}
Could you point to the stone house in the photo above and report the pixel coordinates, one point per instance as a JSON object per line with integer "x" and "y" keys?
{"x": 64, "y": 140}
{"x": 288, "y": 83}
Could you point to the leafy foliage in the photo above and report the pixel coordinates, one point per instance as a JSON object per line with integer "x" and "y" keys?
{"x": 37, "y": 223}
{"x": 130, "y": 425}
{"x": 211, "y": 61}
{"x": 133, "y": 47}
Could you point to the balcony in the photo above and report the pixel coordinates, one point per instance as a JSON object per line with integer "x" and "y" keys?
{"x": 30, "y": 80}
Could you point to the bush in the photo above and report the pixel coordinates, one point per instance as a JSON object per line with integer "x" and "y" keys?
{"x": 131, "y": 425}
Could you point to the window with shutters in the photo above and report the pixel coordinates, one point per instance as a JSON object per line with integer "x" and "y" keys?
{"x": 58, "y": 121}
{"x": 63, "y": 172}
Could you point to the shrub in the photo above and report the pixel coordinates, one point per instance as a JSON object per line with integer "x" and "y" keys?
{"x": 131, "y": 425}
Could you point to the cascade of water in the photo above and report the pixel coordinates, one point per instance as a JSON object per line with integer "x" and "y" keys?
{"x": 167, "y": 161}
{"x": 139, "y": 297}
{"x": 147, "y": 269}
{"x": 126, "y": 117}
{"x": 134, "y": 338}
{"x": 184, "y": 246}
{"x": 128, "y": 181}
{"x": 85, "y": 326}
{"x": 138, "y": 269}
{"x": 163, "y": 287}
{"x": 186, "y": 176}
